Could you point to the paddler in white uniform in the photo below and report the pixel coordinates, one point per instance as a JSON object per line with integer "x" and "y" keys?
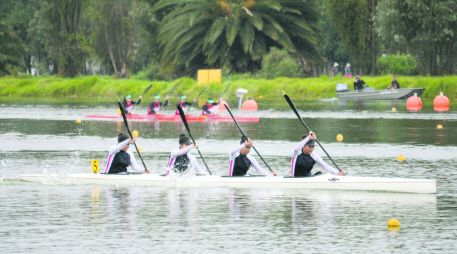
{"x": 120, "y": 157}
{"x": 182, "y": 161}
{"x": 304, "y": 158}
{"x": 241, "y": 161}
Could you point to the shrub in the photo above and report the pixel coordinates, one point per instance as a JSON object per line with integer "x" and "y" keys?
{"x": 397, "y": 64}
{"x": 279, "y": 63}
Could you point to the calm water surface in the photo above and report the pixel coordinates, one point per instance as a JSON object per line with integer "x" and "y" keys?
{"x": 37, "y": 218}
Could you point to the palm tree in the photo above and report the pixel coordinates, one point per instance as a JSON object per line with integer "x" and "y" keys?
{"x": 233, "y": 33}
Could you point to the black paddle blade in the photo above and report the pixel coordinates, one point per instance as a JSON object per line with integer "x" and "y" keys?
{"x": 292, "y": 106}
{"x": 147, "y": 89}
{"x": 184, "y": 120}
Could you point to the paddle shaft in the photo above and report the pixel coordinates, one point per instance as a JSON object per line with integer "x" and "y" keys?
{"x": 196, "y": 99}
{"x": 130, "y": 134}
{"x": 144, "y": 92}
{"x": 292, "y": 106}
{"x": 244, "y": 135}
{"x": 184, "y": 120}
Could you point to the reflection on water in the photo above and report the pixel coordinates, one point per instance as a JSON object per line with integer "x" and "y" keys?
{"x": 189, "y": 220}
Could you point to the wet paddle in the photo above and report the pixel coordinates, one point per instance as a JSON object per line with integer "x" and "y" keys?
{"x": 244, "y": 135}
{"x": 183, "y": 118}
{"x": 121, "y": 108}
{"x": 292, "y": 106}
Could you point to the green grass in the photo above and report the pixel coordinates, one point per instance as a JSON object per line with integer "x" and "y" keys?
{"x": 106, "y": 89}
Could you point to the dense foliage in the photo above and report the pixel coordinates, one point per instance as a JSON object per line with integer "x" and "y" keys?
{"x": 172, "y": 38}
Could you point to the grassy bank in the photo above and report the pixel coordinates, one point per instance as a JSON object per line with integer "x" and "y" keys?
{"x": 106, "y": 89}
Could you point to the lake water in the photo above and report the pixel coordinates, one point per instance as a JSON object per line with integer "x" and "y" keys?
{"x": 37, "y": 218}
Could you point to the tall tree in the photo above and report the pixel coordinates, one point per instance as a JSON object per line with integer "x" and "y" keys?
{"x": 59, "y": 26}
{"x": 11, "y": 49}
{"x": 354, "y": 20}
{"x": 429, "y": 29}
{"x": 234, "y": 33}
{"x": 113, "y": 33}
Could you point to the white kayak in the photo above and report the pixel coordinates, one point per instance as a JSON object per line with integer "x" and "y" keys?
{"x": 323, "y": 182}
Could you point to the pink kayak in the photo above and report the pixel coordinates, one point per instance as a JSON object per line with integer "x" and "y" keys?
{"x": 176, "y": 118}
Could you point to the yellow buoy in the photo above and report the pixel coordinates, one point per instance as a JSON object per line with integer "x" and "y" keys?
{"x": 118, "y": 111}
{"x": 78, "y": 121}
{"x": 394, "y": 109}
{"x": 339, "y": 137}
{"x": 439, "y": 126}
{"x": 135, "y": 134}
{"x": 393, "y": 224}
{"x": 401, "y": 157}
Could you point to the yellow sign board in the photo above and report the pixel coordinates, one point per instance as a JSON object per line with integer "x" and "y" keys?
{"x": 207, "y": 76}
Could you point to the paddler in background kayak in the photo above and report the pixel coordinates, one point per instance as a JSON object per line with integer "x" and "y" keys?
{"x": 209, "y": 107}
{"x": 182, "y": 161}
{"x": 304, "y": 158}
{"x": 120, "y": 157}
{"x": 183, "y": 103}
{"x": 155, "y": 106}
{"x": 241, "y": 161}
{"x": 128, "y": 104}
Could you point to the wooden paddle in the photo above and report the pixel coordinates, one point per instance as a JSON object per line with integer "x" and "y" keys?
{"x": 121, "y": 108}
{"x": 184, "y": 120}
{"x": 244, "y": 135}
{"x": 292, "y": 106}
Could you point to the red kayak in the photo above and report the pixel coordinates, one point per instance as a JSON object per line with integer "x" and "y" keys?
{"x": 176, "y": 118}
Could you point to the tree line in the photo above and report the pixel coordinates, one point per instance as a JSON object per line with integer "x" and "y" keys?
{"x": 165, "y": 39}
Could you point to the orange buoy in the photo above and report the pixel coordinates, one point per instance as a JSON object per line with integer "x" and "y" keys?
{"x": 441, "y": 103}
{"x": 414, "y": 103}
{"x": 249, "y": 105}
{"x": 222, "y": 103}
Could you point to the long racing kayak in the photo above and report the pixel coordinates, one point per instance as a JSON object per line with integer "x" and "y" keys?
{"x": 175, "y": 118}
{"x": 323, "y": 182}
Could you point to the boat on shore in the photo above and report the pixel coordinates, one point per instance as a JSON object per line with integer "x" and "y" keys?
{"x": 372, "y": 94}
{"x": 174, "y": 118}
{"x": 321, "y": 182}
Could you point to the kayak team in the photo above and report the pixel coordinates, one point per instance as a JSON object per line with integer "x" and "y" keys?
{"x": 154, "y": 107}
{"x": 181, "y": 160}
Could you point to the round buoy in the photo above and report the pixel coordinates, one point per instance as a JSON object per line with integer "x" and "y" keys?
{"x": 249, "y": 105}
{"x": 439, "y": 126}
{"x": 118, "y": 111}
{"x": 78, "y": 121}
{"x": 401, "y": 157}
{"x": 394, "y": 109}
{"x": 441, "y": 103}
{"x": 393, "y": 223}
{"x": 135, "y": 134}
{"x": 222, "y": 103}
{"x": 339, "y": 138}
{"x": 414, "y": 103}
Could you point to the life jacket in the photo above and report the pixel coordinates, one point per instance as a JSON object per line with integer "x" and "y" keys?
{"x": 304, "y": 164}
{"x": 120, "y": 163}
{"x": 242, "y": 165}
{"x": 182, "y": 163}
